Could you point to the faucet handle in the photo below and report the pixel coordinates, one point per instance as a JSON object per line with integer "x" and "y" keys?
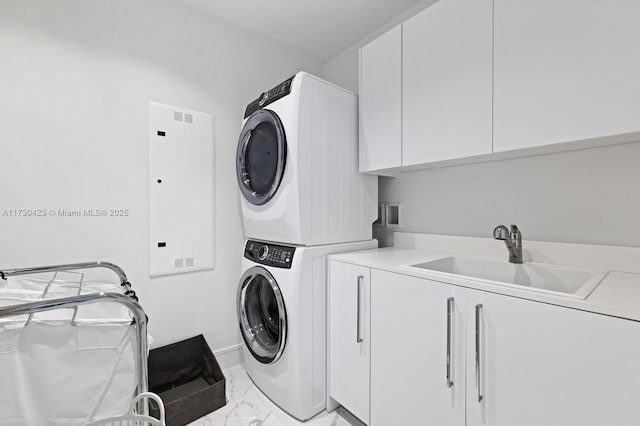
{"x": 516, "y": 235}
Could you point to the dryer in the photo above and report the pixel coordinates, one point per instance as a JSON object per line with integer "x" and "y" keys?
{"x": 297, "y": 166}
{"x": 281, "y": 306}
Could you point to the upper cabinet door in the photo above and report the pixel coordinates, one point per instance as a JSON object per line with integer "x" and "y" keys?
{"x": 381, "y": 102}
{"x": 565, "y": 71}
{"x": 447, "y": 81}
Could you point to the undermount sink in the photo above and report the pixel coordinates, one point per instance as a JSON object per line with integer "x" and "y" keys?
{"x": 553, "y": 279}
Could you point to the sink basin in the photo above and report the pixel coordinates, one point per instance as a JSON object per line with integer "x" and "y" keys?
{"x": 553, "y": 279}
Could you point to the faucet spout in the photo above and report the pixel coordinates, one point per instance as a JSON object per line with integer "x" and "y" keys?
{"x": 512, "y": 239}
{"x": 501, "y": 233}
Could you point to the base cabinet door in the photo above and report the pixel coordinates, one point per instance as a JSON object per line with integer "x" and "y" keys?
{"x": 416, "y": 328}
{"x": 349, "y": 343}
{"x": 541, "y": 364}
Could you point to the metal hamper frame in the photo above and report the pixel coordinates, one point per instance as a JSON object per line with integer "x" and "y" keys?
{"x": 129, "y": 299}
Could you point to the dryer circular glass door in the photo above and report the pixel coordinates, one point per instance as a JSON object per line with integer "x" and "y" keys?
{"x": 262, "y": 315}
{"x": 261, "y": 156}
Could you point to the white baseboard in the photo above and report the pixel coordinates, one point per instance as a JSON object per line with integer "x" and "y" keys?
{"x": 230, "y": 356}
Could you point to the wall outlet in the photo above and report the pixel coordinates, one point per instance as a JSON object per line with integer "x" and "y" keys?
{"x": 392, "y": 215}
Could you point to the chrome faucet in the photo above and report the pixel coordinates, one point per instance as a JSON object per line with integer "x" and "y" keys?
{"x": 513, "y": 240}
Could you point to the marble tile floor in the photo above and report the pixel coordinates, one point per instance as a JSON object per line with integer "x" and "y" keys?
{"x": 248, "y": 406}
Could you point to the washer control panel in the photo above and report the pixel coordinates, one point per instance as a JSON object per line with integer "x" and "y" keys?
{"x": 269, "y": 254}
{"x": 281, "y": 90}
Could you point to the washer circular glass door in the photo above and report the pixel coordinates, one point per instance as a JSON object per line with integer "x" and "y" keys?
{"x": 262, "y": 315}
{"x": 261, "y": 156}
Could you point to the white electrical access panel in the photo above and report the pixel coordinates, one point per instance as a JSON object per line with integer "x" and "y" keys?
{"x": 181, "y": 198}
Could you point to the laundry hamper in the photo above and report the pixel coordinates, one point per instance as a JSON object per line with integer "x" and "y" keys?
{"x": 132, "y": 418}
{"x": 71, "y": 350}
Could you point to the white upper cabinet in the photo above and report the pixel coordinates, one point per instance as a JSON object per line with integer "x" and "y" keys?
{"x": 467, "y": 78}
{"x": 565, "y": 71}
{"x": 381, "y": 102}
{"x": 447, "y": 82}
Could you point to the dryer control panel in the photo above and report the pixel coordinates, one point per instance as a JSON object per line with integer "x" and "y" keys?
{"x": 281, "y": 90}
{"x": 269, "y": 254}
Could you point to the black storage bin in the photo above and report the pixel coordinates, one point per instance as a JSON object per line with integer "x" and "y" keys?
{"x": 188, "y": 378}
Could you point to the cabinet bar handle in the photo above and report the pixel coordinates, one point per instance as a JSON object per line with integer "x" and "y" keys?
{"x": 449, "y": 314}
{"x": 478, "y": 383}
{"x": 359, "y": 338}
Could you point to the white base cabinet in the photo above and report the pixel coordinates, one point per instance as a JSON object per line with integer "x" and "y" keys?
{"x": 413, "y": 334}
{"x": 438, "y": 354}
{"x": 542, "y": 364}
{"x": 349, "y": 344}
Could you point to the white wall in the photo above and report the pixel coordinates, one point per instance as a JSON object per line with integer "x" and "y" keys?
{"x": 75, "y": 80}
{"x": 588, "y": 196}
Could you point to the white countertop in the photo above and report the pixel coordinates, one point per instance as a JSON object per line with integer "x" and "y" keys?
{"x": 618, "y": 294}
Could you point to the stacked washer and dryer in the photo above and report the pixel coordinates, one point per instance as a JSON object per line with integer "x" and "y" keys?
{"x": 302, "y": 199}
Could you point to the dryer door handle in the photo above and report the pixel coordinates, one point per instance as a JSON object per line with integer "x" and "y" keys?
{"x": 359, "y": 338}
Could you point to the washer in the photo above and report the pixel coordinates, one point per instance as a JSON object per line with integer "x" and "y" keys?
{"x": 297, "y": 166}
{"x": 281, "y": 307}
